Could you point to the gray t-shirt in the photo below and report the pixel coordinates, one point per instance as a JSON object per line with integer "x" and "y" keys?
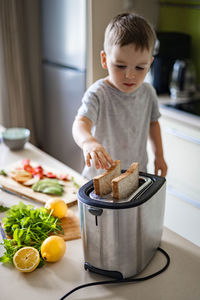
{"x": 120, "y": 122}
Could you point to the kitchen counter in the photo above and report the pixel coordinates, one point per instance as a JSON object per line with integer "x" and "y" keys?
{"x": 179, "y": 282}
{"x": 184, "y": 117}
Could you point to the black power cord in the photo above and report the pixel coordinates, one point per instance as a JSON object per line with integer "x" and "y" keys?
{"x": 131, "y": 279}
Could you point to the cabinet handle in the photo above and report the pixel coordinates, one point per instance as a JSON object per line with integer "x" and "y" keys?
{"x": 172, "y": 191}
{"x": 183, "y": 136}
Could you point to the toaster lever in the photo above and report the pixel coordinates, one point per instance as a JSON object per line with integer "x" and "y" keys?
{"x": 95, "y": 211}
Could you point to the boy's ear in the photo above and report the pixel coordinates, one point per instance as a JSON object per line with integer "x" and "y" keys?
{"x": 103, "y": 59}
{"x": 152, "y": 59}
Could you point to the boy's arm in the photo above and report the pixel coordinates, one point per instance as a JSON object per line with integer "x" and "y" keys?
{"x": 156, "y": 142}
{"x": 92, "y": 150}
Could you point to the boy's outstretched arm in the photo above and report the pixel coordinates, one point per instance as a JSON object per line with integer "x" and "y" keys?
{"x": 92, "y": 150}
{"x": 156, "y": 141}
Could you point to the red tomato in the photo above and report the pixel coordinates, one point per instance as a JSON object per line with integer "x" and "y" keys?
{"x": 50, "y": 175}
{"x": 26, "y": 162}
{"x": 28, "y": 168}
{"x": 65, "y": 177}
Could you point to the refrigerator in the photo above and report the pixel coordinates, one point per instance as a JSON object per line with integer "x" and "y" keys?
{"x": 63, "y": 36}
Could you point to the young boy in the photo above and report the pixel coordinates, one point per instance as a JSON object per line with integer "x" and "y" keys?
{"x": 119, "y": 112}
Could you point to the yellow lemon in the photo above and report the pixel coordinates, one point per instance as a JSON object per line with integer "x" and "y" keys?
{"x": 58, "y": 206}
{"x": 26, "y": 259}
{"x": 53, "y": 248}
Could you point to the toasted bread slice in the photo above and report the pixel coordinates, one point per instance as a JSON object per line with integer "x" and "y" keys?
{"x": 102, "y": 183}
{"x": 126, "y": 183}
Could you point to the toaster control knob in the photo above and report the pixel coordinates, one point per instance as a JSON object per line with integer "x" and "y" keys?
{"x": 95, "y": 211}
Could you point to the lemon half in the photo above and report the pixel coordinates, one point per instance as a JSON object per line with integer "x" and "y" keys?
{"x": 26, "y": 259}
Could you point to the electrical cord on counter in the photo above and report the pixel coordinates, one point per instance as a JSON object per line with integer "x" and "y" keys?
{"x": 126, "y": 280}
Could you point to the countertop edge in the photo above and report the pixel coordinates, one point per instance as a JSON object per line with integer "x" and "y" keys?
{"x": 177, "y": 115}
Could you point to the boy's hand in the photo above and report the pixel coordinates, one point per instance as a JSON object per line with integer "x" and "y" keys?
{"x": 94, "y": 151}
{"x": 161, "y": 165}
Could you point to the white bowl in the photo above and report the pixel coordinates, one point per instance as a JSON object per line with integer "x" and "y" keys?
{"x": 15, "y": 138}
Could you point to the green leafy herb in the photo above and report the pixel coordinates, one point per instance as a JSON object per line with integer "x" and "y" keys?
{"x": 27, "y": 226}
{"x": 3, "y": 208}
{"x": 2, "y": 172}
{"x": 74, "y": 183}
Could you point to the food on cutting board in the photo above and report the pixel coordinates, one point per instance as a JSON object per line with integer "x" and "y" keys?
{"x": 102, "y": 183}
{"x": 49, "y": 186}
{"x": 26, "y": 259}
{"x": 57, "y": 207}
{"x": 126, "y": 183}
{"x": 27, "y": 226}
{"x": 20, "y": 175}
{"x": 53, "y": 248}
{"x": 41, "y": 180}
{"x": 121, "y": 185}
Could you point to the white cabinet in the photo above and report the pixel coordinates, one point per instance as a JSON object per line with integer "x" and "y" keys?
{"x": 181, "y": 144}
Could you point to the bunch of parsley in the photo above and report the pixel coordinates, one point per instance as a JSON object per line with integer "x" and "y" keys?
{"x": 27, "y": 226}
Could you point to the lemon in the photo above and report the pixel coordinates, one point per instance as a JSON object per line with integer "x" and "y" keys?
{"x": 26, "y": 259}
{"x": 58, "y": 206}
{"x": 53, "y": 248}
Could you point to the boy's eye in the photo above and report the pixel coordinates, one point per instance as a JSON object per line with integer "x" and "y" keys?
{"x": 139, "y": 68}
{"x": 120, "y": 66}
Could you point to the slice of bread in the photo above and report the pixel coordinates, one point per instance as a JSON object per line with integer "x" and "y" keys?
{"x": 126, "y": 183}
{"x": 102, "y": 183}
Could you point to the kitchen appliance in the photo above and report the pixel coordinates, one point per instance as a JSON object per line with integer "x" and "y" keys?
{"x": 121, "y": 237}
{"x": 189, "y": 106}
{"x": 170, "y": 46}
{"x": 63, "y": 35}
{"x": 183, "y": 80}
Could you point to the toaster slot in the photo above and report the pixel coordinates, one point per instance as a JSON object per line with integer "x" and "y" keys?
{"x": 144, "y": 184}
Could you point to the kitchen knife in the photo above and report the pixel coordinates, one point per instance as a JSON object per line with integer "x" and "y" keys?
{"x": 13, "y": 193}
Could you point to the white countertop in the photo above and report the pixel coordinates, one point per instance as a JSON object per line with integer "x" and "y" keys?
{"x": 179, "y": 282}
{"x": 184, "y": 117}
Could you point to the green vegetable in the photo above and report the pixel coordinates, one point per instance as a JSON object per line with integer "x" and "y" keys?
{"x": 2, "y": 172}
{"x": 74, "y": 183}
{"x": 27, "y": 226}
{"x": 49, "y": 186}
{"x": 3, "y": 208}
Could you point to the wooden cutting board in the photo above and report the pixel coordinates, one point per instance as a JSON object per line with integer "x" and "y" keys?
{"x": 69, "y": 194}
{"x": 71, "y": 226}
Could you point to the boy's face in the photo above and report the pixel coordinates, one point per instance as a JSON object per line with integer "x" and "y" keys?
{"x": 127, "y": 67}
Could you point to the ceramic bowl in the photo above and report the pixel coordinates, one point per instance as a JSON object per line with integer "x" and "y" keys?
{"x": 15, "y": 138}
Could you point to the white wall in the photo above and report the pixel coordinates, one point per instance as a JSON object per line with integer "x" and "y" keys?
{"x": 99, "y": 15}
{"x": 149, "y": 9}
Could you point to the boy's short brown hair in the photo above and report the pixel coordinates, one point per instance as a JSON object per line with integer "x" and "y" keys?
{"x": 129, "y": 28}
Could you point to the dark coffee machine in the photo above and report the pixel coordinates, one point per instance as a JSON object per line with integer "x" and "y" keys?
{"x": 170, "y": 47}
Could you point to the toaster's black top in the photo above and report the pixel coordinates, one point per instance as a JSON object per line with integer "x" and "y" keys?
{"x": 156, "y": 183}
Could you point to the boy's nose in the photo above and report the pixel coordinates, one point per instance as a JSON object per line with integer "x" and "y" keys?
{"x": 130, "y": 73}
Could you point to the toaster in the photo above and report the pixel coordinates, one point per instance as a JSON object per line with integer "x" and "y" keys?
{"x": 120, "y": 237}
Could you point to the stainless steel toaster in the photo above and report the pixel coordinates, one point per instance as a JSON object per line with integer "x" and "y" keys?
{"x": 120, "y": 237}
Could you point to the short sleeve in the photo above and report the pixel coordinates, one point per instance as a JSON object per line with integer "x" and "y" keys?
{"x": 89, "y": 107}
{"x": 155, "y": 113}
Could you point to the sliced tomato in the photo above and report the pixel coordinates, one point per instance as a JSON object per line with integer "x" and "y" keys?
{"x": 65, "y": 177}
{"x": 26, "y": 162}
{"x": 38, "y": 169}
{"x": 28, "y": 168}
{"x": 50, "y": 175}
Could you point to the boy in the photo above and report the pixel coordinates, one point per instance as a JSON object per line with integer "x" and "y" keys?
{"x": 120, "y": 111}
